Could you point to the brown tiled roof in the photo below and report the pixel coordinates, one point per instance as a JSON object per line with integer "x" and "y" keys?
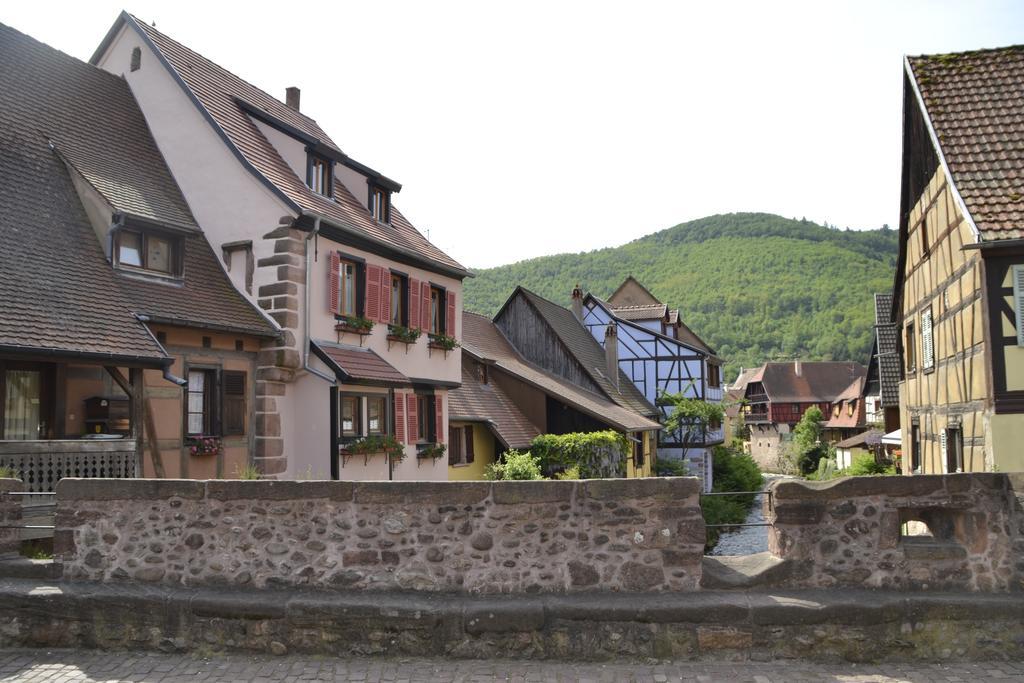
{"x": 219, "y": 90}
{"x": 975, "y": 102}
{"x": 203, "y": 298}
{"x": 645, "y": 312}
{"x": 843, "y": 401}
{"x": 590, "y": 354}
{"x": 871, "y": 437}
{"x": 818, "y": 381}
{"x": 57, "y": 290}
{"x": 475, "y": 401}
{"x": 357, "y": 364}
{"x": 484, "y": 340}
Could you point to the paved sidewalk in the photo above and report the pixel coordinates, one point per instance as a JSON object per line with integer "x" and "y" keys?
{"x": 65, "y": 666}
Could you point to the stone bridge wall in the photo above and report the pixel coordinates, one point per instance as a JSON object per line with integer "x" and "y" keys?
{"x": 849, "y": 532}
{"x": 10, "y": 514}
{"x": 473, "y": 537}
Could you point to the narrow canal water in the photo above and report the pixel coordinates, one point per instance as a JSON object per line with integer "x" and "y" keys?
{"x": 747, "y": 540}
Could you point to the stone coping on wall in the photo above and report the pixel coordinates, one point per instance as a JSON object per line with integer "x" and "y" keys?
{"x": 477, "y": 537}
{"x": 837, "y": 624}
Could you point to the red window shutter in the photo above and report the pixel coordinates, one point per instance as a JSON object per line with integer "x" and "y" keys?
{"x": 333, "y": 295}
{"x": 449, "y": 319}
{"x": 414, "y": 310}
{"x": 439, "y": 418}
{"x": 414, "y": 425}
{"x": 425, "y": 305}
{"x": 373, "y": 292}
{"x": 385, "y": 295}
{"x": 400, "y": 417}
{"x": 469, "y": 443}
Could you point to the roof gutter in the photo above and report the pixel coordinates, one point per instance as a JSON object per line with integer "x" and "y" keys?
{"x": 305, "y": 310}
{"x": 172, "y": 378}
{"x": 409, "y": 253}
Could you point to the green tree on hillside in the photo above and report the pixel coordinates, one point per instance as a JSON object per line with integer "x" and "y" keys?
{"x": 755, "y": 287}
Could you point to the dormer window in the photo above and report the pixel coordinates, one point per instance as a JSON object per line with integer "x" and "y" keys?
{"x": 380, "y": 204}
{"x": 319, "y": 176}
{"x": 145, "y": 251}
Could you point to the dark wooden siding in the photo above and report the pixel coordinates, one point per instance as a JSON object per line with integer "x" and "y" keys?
{"x": 532, "y": 336}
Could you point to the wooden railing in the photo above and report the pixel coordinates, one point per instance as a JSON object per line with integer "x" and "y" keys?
{"x": 41, "y": 464}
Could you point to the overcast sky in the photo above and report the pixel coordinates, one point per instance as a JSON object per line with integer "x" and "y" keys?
{"x": 521, "y": 129}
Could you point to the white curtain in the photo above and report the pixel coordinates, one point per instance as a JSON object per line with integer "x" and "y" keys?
{"x": 21, "y": 405}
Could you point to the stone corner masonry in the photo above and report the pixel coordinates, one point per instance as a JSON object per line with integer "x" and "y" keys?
{"x": 467, "y": 537}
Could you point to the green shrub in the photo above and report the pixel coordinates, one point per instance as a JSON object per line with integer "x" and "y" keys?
{"x": 669, "y": 468}
{"x": 8, "y": 472}
{"x": 515, "y": 466}
{"x": 865, "y": 464}
{"x": 571, "y": 474}
{"x": 249, "y": 472}
{"x": 732, "y": 470}
{"x": 597, "y": 455}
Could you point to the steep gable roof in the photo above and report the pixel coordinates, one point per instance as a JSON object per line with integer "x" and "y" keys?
{"x": 639, "y": 296}
{"x": 590, "y": 354}
{"x": 817, "y": 381}
{"x": 974, "y": 105}
{"x": 61, "y": 117}
{"x": 475, "y": 401}
{"x": 483, "y": 339}
{"x": 221, "y": 95}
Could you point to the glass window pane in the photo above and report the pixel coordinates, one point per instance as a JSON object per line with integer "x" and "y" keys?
{"x": 22, "y": 404}
{"x": 348, "y": 289}
{"x": 196, "y": 380}
{"x": 375, "y": 415}
{"x": 195, "y": 423}
{"x": 349, "y": 415}
{"x": 158, "y": 254}
{"x": 396, "y": 301}
{"x": 129, "y": 251}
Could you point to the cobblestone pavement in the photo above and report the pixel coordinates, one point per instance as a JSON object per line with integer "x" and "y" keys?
{"x": 66, "y": 666}
{"x": 748, "y": 540}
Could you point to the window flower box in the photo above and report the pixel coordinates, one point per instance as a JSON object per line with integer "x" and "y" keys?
{"x": 353, "y": 325}
{"x": 442, "y": 342}
{"x": 402, "y": 335}
{"x": 204, "y": 445}
{"x": 368, "y": 446}
{"x": 430, "y": 451}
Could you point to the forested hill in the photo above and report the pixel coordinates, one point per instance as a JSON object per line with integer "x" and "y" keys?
{"x": 754, "y": 286}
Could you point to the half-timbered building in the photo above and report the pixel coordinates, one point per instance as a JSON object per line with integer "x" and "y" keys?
{"x": 660, "y": 356}
{"x": 959, "y": 288}
{"x": 124, "y": 349}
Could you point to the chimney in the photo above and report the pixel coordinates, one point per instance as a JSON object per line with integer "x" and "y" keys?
{"x": 577, "y": 302}
{"x": 611, "y": 354}
{"x": 291, "y": 97}
{"x": 796, "y": 368}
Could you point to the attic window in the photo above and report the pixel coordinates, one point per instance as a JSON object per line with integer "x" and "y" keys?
{"x": 145, "y": 251}
{"x": 380, "y": 204}
{"x": 136, "y": 59}
{"x": 319, "y": 176}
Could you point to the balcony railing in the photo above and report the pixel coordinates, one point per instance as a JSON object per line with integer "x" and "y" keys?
{"x": 756, "y": 418}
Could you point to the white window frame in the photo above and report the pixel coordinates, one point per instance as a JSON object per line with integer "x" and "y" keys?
{"x": 927, "y": 340}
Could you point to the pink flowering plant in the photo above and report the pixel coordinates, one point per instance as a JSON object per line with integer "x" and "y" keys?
{"x": 204, "y": 445}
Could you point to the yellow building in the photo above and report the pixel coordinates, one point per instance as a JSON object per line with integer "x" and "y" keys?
{"x": 505, "y": 401}
{"x": 959, "y": 289}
